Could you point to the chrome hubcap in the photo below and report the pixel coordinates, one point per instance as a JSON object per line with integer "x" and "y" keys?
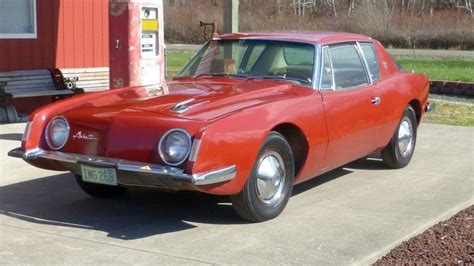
{"x": 405, "y": 137}
{"x": 270, "y": 178}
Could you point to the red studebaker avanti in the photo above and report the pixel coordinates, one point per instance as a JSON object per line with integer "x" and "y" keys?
{"x": 249, "y": 116}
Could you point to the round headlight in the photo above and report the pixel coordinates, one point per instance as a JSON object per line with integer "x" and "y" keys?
{"x": 174, "y": 147}
{"x": 57, "y": 133}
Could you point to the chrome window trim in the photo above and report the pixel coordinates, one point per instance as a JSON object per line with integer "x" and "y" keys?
{"x": 317, "y": 66}
{"x": 333, "y": 85}
{"x": 376, "y": 55}
{"x": 46, "y": 135}
{"x": 161, "y": 142}
{"x": 364, "y": 60}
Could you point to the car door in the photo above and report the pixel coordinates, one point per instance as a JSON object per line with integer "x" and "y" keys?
{"x": 350, "y": 100}
{"x": 386, "y": 109}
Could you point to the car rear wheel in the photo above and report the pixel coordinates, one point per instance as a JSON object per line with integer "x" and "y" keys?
{"x": 98, "y": 190}
{"x": 270, "y": 184}
{"x": 399, "y": 151}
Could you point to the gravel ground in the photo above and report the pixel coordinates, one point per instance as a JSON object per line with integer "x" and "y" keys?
{"x": 448, "y": 242}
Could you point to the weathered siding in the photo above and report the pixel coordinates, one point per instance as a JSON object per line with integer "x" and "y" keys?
{"x": 71, "y": 34}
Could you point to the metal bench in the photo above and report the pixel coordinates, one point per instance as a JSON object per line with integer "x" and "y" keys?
{"x": 89, "y": 79}
{"x": 31, "y": 83}
{"x": 58, "y": 83}
{"x": 27, "y": 83}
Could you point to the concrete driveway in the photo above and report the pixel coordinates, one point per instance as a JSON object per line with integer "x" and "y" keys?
{"x": 352, "y": 215}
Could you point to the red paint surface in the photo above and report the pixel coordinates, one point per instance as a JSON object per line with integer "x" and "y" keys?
{"x": 71, "y": 34}
{"x": 232, "y": 118}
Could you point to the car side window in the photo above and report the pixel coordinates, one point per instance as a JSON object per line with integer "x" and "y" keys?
{"x": 348, "y": 67}
{"x": 326, "y": 78}
{"x": 372, "y": 59}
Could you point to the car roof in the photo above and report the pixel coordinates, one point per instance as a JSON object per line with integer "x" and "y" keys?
{"x": 309, "y": 37}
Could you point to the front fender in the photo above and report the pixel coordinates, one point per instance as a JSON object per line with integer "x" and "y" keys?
{"x": 40, "y": 118}
{"x": 237, "y": 139}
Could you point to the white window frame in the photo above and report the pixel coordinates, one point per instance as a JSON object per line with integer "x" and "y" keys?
{"x": 33, "y": 35}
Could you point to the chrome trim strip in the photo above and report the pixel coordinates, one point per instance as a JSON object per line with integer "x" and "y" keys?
{"x": 26, "y": 133}
{"x": 32, "y": 154}
{"x": 218, "y": 176}
{"x": 317, "y": 66}
{"x": 178, "y": 175}
{"x": 194, "y": 150}
{"x": 182, "y": 106}
{"x": 58, "y": 156}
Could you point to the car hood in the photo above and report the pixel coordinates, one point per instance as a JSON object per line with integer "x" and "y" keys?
{"x": 209, "y": 100}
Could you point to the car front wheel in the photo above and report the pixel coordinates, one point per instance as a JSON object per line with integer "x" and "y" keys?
{"x": 270, "y": 184}
{"x": 399, "y": 151}
{"x": 98, "y": 190}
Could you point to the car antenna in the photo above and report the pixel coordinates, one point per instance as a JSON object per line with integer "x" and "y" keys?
{"x": 413, "y": 58}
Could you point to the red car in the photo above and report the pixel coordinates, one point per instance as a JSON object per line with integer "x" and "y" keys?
{"x": 249, "y": 116}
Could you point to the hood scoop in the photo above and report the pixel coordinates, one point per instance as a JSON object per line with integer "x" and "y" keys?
{"x": 187, "y": 105}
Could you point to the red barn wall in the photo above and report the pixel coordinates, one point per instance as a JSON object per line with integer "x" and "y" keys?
{"x": 71, "y": 34}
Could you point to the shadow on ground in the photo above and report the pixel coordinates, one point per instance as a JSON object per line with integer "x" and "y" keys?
{"x": 12, "y": 136}
{"x": 57, "y": 200}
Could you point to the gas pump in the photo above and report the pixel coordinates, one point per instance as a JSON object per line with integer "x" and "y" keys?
{"x": 136, "y": 42}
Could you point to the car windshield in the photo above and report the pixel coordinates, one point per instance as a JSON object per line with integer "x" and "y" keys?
{"x": 254, "y": 59}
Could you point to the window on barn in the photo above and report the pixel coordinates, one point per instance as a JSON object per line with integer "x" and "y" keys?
{"x": 18, "y": 19}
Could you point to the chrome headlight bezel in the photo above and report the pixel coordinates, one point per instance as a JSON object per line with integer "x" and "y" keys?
{"x": 162, "y": 152}
{"x": 48, "y": 136}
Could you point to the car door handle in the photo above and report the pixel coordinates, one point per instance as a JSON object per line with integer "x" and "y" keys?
{"x": 376, "y": 100}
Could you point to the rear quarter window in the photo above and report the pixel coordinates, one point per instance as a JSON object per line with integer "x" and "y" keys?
{"x": 372, "y": 59}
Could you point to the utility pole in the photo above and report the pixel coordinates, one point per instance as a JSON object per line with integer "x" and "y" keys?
{"x": 231, "y": 16}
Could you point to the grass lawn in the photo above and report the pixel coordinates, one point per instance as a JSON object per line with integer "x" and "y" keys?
{"x": 175, "y": 61}
{"x": 440, "y": 68}
{"x": 451, "y": 114}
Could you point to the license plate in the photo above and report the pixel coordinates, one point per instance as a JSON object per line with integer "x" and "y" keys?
{"x": 104, "y": 176}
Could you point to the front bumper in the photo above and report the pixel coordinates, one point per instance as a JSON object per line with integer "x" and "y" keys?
{"x": 129, "y": 173}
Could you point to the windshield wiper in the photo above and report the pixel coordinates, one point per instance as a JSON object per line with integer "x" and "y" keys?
{"x": 284, "y": 78}
{"x": 221, "y": 75}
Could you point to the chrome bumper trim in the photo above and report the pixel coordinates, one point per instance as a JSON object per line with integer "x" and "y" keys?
{"x": 178, "y": 175}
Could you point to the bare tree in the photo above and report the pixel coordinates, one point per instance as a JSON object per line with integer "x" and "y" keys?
{"x": 351, "y": 7}
{"x": 332, "y": 5}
